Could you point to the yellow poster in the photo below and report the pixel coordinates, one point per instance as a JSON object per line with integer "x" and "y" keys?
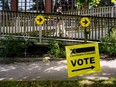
{"x": 82, "y": 59}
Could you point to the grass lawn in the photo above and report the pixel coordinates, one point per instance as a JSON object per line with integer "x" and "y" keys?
{"x": 64, "y": 83}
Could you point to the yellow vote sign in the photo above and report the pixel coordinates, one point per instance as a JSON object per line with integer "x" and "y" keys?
{"x": 39, "y": 20}
{"x": 85, "y": 22}
{"x": 82, "y": 59}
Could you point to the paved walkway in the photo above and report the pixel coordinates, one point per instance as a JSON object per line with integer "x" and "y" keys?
{"x": 54, "y": 70}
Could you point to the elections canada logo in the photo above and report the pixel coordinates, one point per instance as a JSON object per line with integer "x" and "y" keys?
{"x": 82, "y": 51}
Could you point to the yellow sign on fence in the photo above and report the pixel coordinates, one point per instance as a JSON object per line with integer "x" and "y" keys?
{"x": 39, "y": 20}
{"x": 82, "y": 59}
{"x": 85, "y": 22}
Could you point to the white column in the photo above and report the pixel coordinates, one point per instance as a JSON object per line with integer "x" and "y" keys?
{"x": 53, "y": 4}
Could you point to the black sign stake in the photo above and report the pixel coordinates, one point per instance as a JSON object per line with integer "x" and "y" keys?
{"x": 85, "y": 35}
{"x": 92, "y": 67}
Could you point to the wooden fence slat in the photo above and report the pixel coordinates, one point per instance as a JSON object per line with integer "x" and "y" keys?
{"x": 21, "y": 23}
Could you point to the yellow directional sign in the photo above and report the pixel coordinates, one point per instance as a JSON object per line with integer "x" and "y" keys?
{"x": 85, "y": 21}
{"x": 82, "y": 59}
{"x": 47, "y": 17}
{"x": 39, "y": 20}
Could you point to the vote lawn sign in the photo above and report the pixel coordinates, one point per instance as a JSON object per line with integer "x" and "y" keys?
{"x": 82, "y": 59}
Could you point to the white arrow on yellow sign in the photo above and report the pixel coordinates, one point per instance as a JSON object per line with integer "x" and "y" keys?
{"x": 82, "y": 59}
{"x": 85, "y": 22}
{"x": 39, "y": 20}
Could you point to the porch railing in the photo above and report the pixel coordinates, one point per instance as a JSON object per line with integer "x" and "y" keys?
{"x": 109, "y": 11}
{"x": 58, "y": 26}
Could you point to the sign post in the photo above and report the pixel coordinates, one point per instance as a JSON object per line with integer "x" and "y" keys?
{"x": 85, "y": 22}
{"x": 26, "y": 38}
{"x": 82, "y": 59}
{"x": 85, "y": 35}
{"x": 40, "y": 20}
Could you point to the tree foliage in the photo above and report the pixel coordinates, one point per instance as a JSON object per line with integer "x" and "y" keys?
{"x": 66, "y": 4}
{"x": 86, "y": 3}
{"x": 105, "y": 3}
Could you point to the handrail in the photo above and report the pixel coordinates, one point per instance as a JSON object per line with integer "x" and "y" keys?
{"x": 109, "y": 11}
{"x": 19, "y": 23}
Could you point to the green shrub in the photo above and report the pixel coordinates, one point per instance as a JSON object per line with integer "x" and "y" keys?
{"x": 57, "y": 48}
{"x": 108, "y": 44}
{"x": 11, "y": 47}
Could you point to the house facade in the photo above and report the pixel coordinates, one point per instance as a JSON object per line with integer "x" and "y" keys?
{"x": 38, "y": 6}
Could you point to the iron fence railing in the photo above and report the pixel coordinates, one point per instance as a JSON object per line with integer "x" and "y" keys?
{"x": 57, "y": 26}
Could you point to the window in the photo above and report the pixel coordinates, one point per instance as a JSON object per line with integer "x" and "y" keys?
{"x": 56, "y": 5}
{"x": 21, "y": 5}
{"x": 1, "y": 5}
{"x": 6, "y": 6}
{"x": 30, "y": 5}
{"x": 65, "y": 4}
{"x": 39, "y": 7}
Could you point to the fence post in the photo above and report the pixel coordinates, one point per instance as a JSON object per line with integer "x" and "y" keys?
{"x": 112, "y": 11}
{"x": 0, "y": 21}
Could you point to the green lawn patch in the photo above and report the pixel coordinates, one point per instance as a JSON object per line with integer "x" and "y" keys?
{"x": 63, "y": 83}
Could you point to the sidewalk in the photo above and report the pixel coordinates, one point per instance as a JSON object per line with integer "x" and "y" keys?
{"x": 54, "y": 70}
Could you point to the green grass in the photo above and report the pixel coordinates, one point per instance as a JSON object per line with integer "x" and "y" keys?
{"x": 62, "y": 83}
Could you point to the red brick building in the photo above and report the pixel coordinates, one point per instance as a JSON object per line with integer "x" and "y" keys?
{"x": 39, "y": 6}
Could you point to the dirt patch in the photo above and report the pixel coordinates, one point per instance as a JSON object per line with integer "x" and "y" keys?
{"x": 106, "y": 56}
